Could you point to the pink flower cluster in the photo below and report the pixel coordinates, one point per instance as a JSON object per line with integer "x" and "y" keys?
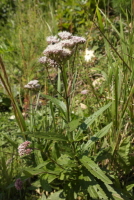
{"x": 23, "y": 150}
{"x": 18, "y": 184}
{"x": 60, "y": 48}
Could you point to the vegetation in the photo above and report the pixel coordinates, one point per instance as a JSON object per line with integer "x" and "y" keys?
{"x": 67, "y": 100}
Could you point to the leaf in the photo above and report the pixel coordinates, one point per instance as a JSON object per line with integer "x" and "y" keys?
{"x": 115, "y": 194}
{"x": 46, "y": 135}
{"x": 124, "y": 151}
{"x": 10, "y": 140}
{"x": 90, "y": 184}
{"x": 43, "y": 197}
{"x": 96, "y": 192}
{"x": 97, "y": 136}
{"x": 130, "y": 187}
{"x": 99, "y": 19}
{"x": 74, "y": 124}
{"x": 60, "y": 104}
{"x": 93, "y": 117}
{"x": 38, "y": 157}
{"x": 94, "y": 169}
{"x": 56, "y": 196}
{"x": 44, "y": 184}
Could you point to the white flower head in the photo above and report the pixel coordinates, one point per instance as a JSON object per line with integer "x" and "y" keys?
{"x": 67, "y": 43}
{"x": 52, "y": 39}
{"x": 78, "y": 40}
{"x": 48, "y": 61}
{"x": 58, "y": 50}
{"x": 33, "y": 85}
{"x": 64, "y": 35}
{"x": 89, "y": 54}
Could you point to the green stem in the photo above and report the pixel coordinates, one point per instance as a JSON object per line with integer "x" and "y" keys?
{"x": 66, "y": 96}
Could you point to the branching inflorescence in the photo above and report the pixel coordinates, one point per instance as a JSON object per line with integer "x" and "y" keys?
{"x": 60, "y": 48}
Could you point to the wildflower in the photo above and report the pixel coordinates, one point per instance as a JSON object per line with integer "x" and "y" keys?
{"x": 67, "y": 43}
{"x": 52, "y": 39}
{"x": 23, "y": 150}
{"x": 18, "y": 184}
{"x": 53, "y": 49}
{"x": 84, "y": 91}
{"x": 78, "y": 40}
{"x": 48, "y": 61}
{"x": 89, "y": 54}
{"x": 64, "y": 35}
{"x": 32, "y": 84}
{"x": 56, "y": 49}
{"x": 43, "y": 59}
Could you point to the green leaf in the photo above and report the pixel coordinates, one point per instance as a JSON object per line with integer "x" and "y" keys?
{"x": 97, "y": 136}
{"x": 99, "y": 19}
{"x": 94, "y": 169}
{"x": 130, "y": 187}
{"x": 124, "y": 151}
{"x": 60, "y": 104}
{"x": 43, "y": 197}
{"x": 44, "y": 184}
{"x": 93, "y": 117}
{"x": 116, "y": 195}
{"x": 14, "y": 144}
{"x": 46, "y": 135}
{"x": 56, "y": 196}
{"x": 38, "y": 157}
{"x": 36, "y": 184}
{"x": 96, "y": 192}
{"x": 74, "y": 124}
{"x": 89, "y": 183}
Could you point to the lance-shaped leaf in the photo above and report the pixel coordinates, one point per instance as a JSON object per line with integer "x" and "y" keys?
{"x": 60, "y": 104}
{"x": 94, "y": 169}
{"x": 46, "y": 135}
{"x": 97, "y": 136}
{"x": 93, "y": 117}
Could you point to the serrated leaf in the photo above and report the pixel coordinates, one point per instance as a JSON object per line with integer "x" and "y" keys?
{"x": 93, "y": 117}
{"x": 89, "y": 183}
{"x": 97, "y": 136}
{"x": 94, "y": 169}
{"x": 124, "y": 151}
{"x": 96, "y": 192}
{"x": 116, "y": 195}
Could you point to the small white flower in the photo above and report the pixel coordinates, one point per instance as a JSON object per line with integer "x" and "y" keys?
{"x": 89, "y": 54}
